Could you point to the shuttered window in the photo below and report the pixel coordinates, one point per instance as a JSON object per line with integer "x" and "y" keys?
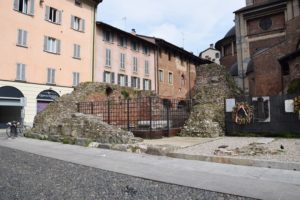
{"x": 52, "y": 45}
{"x": 76, "y": 53}
{"x": 51, "y": 76}
{"x": 146, "y": 84}
{"x": 76, "y": 78}
{"x": 107, "y": 57}
{"x": 20, "y": 74}
{"x": 22, "y": 38}
{"x": 77, "y": 23}
{"x": 122, "y": 80}
{"x": 135, "y": 82}
{"x": 122, "y": 61}
{"x": 146, "y": 67}
{"x": 24, "y": 6}
{"x": 108, "y": 77}
{"x": 135, "y": 64}
{"x": 53, "y": 15}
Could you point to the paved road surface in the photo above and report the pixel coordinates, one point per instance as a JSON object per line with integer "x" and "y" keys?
{"x": 261, "y": 183}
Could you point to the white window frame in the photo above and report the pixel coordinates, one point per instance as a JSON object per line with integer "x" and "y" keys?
{"x": 122, "y": 80}
{"x": 76, "y": 78}
{"x": 146, "y": 84}
{"x": 20, "y": 72}
{"x": 108, "y": 77}
{"x": 50, "y": 76}
{"x": 135, "y": 82}
{"x": 22, "y": 38}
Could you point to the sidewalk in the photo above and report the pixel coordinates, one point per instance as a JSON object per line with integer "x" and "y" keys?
{"x": 261, "y": 183}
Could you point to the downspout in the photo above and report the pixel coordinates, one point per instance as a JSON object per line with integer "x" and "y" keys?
{"x": 157, "y": 69}
{"x": 93, "y": 53}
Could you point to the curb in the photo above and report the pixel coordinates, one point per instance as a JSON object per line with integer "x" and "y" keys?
{"x": 239, "y": 161}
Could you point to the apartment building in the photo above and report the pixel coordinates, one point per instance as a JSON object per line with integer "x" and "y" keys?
{"x": 47, "y": 48}
{"x": 123, "y": 58}
{"x": 176, "y": 69}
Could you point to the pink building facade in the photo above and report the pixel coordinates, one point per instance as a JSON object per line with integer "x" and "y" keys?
{"x": 47, "y": 49}
{"x": 123, "y": 58}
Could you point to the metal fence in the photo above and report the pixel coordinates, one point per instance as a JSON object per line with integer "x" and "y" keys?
{"x": 271, "y": 117}
{"x": 147, "y": 117}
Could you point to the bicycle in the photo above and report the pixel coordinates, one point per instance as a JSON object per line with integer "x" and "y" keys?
{"x": 14, "y": 129}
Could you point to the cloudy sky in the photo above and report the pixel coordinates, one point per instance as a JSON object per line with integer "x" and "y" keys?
{"x": 192, "y": 24}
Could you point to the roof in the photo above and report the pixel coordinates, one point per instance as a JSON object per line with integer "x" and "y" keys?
{"x": 230, "y": 33}
{"x": 124, "y": 32}
{"x": 162, "y": 43}
{"x": 259, "y": 5}
{"x": 234, "y": 71}
{"x": 250, "y": 67}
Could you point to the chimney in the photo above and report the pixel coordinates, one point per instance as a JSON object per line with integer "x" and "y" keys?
{"x": 211, "y": 46}
{"x": 133, "y": 31}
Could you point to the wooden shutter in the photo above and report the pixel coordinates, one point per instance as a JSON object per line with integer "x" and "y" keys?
{"x": 138, "y": 86}
{"x": 58, "y": 46}
{"x": 24, "y": 38}
{"x": 16, "y": 4}
{"x": 23, "y": 72}
{"x": 53, "y": 76}
{"x": 78, "y": 51}
{"x": 18, "y": 72}
{"x": 48, "y": 75}
{"x": 72, "y": 21}
{"x": 74, "y": 79}
{"x": 112, "y": 77}
{"x": 31, "y": 11}
{"x": 132, "y": 82}
{"x": 119, "y": 79}
{"x": 58, "y": 16}
{"x": 45, "y": 43}
{"x": 126, "y": 81}
{"x": 82, "y": 25}
{"x": 149, "y": 84}
{"x": 19, "y": 42}
{"x": 104, "y": 77}
{"x": 47, "y": 13}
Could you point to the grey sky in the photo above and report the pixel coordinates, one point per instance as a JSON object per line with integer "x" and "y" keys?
{"x": 193, "y": 24}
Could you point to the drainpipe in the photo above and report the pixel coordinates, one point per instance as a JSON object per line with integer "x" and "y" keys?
{"x": 157, "y": 69}
{"x": 93, "y": 53}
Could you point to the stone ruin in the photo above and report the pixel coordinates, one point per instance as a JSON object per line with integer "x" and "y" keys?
{"x": 61, "y": 122}
{"x": 207, "y": 118}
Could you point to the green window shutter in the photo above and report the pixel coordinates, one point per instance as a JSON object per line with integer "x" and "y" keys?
{"x": 112, "y": 77}
{"x": 104, "y": 77}
{"x": 74, "y": 79}
{"x": 48, "y": 75}
{"x": 23, "y": 72}
{"x": 18, "y": 72}
{"x": 72, "y": 21}
{"x": 149, "y": 84}
{"x": 126, "y": 81}
{"x": 53, "y": 76}
{"x": 47, "y": 13}
{"x": 138, "y": 86}
{"x": 58, "y": 17}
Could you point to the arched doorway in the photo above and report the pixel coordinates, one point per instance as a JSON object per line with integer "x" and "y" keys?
{"x": 44, "y": 98}
{"x": 12, "y": 102}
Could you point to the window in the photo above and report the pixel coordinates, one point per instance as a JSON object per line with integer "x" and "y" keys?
{"x": 135, "y": 82}
{"x": 53, "y": 15}
{"x": 147, "y": 84}
{"x": 107, "y": 57}
{"x": 147, "y": 67}
{"x": 22, "y": 38}
{"x": 170, "y": 78}
{"x": 77, "y": 23}
{"x": 78, "y": 2}
{"x": 134, "y": 46}
{"x": 24, "y": 6}
{"x": 135, "y": 64}
{"x": 169, "y": 56}
{"x": 161, "y": 75}
{"x": 145, "y": 50}
{"x": 76, "y": 77}
{"x": 217, "y": 55}
{"x": 265, "y": 23}
{"x": 122, "y": 41}
{"x": 51, "y": 45}
{"x": 182, "y": 81}
{"x": 108, "y": 77}
{"x": 122, "y": 80}
{"x": 51, "y": 76}
{"x": 76, "y": 53}
{"x": 20, "y": 76}
{"x": 122, "y": 61}
{"x": 107, "y": 36}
